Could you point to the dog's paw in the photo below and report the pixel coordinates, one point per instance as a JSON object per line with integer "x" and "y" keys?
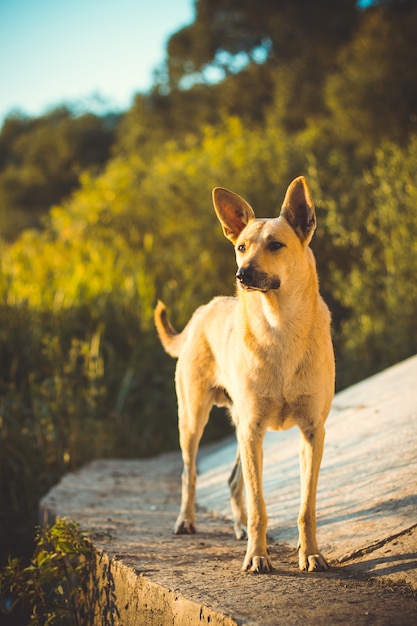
{"x": 257, "y": 564}
{"x": 312, "y": 562}
{"x": 184, "y": 527}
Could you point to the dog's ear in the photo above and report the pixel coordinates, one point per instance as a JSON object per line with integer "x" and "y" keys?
{"x": 298, "y": 209}
{"x": 233, "y": 212}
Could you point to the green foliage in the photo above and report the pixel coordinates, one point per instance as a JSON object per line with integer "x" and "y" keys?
{"x": 56, "y": 588}
{"x": 140, "y": 229}
{"x": 78, "y": 384}
{"x": 228, "y": 33}
{"x": 373, "y": 94}
{"x": 41, "y": 160}
{"x": 382, "y": 327}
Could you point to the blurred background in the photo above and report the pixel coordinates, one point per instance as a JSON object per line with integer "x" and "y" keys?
{"x": 117, "y": 119}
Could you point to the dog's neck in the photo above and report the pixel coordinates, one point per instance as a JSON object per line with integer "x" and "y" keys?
{"x": 270, "y": 312}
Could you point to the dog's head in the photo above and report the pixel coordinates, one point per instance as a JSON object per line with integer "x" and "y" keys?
{"x": 267, "y": 249}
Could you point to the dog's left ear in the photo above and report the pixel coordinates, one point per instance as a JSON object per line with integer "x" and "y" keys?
{"x": 298, "y": 209}
{"x": 233, "y": 212}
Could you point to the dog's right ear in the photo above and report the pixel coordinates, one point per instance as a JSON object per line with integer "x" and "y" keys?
{"x": 233, "y": 212}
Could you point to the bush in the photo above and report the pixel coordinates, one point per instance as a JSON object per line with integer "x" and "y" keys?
{"x": 58, "y": 587}
{"x": 74, "y": 387}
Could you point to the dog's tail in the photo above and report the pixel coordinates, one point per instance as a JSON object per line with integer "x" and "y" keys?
{"x": 170, "y": 338}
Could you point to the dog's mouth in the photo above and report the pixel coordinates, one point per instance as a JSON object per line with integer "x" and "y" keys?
{"x": 261, "y": 289}
{"x": 253, "y": 280}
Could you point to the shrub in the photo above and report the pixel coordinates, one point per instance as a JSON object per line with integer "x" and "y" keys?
{"x": 58, "y": 587}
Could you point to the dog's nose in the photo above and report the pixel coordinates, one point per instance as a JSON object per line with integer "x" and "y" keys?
{"x": 244, "y": 274}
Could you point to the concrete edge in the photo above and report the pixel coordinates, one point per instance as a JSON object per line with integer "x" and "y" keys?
{"x": 141, "y": 602}
{"x": 138, "y": 601}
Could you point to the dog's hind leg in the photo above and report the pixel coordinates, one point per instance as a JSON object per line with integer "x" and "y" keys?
{"x": 312, "y": 443}
{"x": 193, "y": 412}
{"x": 236, "y": 485}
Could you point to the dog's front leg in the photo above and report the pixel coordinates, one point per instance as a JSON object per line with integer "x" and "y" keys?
{"x": 312, "y": 443}
{"x": 250, "y": 444}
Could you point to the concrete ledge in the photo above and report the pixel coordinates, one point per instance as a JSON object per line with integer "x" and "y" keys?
{"x": 137, "y": 601}
{"x": 367, "y": 525}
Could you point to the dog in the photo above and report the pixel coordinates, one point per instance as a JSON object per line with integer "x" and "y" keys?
{"x": 267, "y": 355}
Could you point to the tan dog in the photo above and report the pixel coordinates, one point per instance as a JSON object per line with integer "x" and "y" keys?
{"x": 267, "y": 355}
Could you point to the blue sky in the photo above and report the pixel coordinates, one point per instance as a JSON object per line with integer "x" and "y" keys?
{"x": 54, "y": 51}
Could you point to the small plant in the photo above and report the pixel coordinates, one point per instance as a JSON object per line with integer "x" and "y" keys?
{"x": 56, "y": 588}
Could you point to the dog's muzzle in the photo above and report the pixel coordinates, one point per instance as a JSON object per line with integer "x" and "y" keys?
{"x": 251, "y": 278}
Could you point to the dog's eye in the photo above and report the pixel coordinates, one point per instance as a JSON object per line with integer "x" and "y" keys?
{"x": 273, "y": 246}
{"x": 242, "y": 248}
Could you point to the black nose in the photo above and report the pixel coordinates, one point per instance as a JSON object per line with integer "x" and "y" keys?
{"x": 245, "y": 275}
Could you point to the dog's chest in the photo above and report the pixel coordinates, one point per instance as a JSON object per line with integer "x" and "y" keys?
{"x": 272, "y": 362}
{"x": 276, "y": 386}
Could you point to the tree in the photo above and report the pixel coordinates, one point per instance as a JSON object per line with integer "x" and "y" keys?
{"x": 374, "y": 93}
{"x": 41, "y": 160}
{"x": 382, "y": 327}
{"x": 271, "y": 46}
{"x": 228, "y": 34}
